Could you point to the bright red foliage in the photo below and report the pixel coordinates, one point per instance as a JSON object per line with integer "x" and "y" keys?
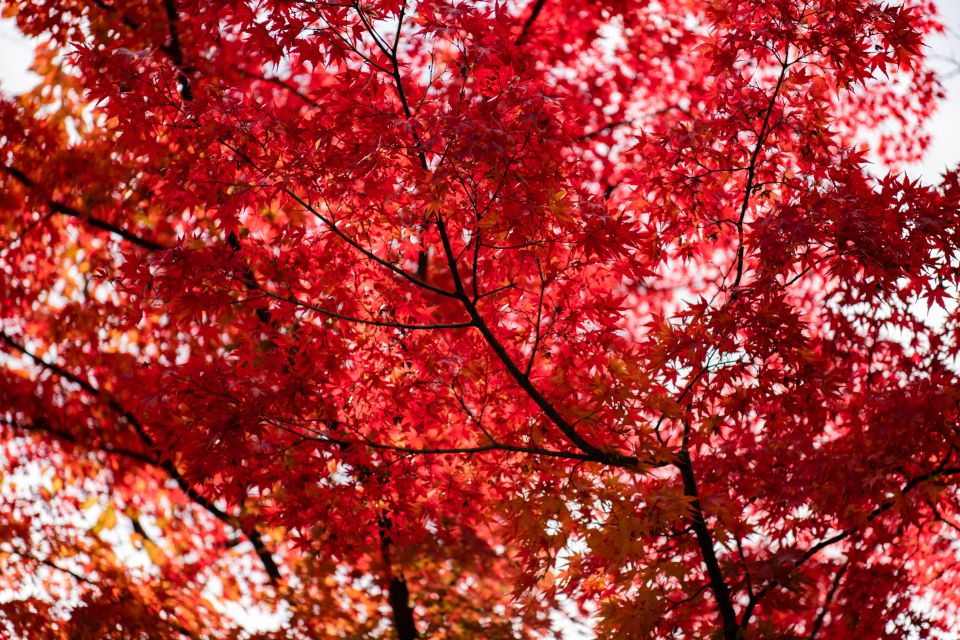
{"x": 435, "y": 319}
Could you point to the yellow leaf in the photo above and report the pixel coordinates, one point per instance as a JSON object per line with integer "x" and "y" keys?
{"x": 107, "y": 520}
{"x": 231, "y": 590}
{"x": 157, "y": 555}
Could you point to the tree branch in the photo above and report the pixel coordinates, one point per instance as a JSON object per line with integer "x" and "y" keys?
{"x": 831, "y": 594}
{"x": 93, "y": 221}
{"x": 528, "y": 23}
{"x": 356, "y": 320}
{"x": 249, "y": 531}
{"x": 595, "y": 453}
{"x": 939, "y": 472}
{"x": 175, "y": 52}
{"x": 718, "y": 584}
{"x": 53, "y": 565}
{"x": 494, "y": 445}
{"x": 399, "y": 598}
{"x": 752, "y": 167}
{"x": 41, "y": 426}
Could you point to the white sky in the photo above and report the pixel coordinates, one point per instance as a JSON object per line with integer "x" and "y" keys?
{"x": 15, "y": 56}
{"x": 944, "y": 150}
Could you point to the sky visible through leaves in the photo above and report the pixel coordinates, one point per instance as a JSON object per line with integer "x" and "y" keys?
{"x": 16, "y": 54}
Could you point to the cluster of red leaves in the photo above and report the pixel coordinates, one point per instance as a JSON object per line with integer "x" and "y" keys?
{"x": 440, "y": 318}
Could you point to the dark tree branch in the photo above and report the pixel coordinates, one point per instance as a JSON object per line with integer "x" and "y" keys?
{"x": 752, "y": 167}
{"x": 317, "y": 436}
{"x": 831, "y": 594}
{"x": 595, "y": 453}
{"x": 399, "y": 597}
{"x": 626, "y": 122}
{"x": 366, "y": 252}
{"x": 357, "y": 320}
{"x": 42, "y": 427}
{"x": 53, "y": 565}
{"x": 940, "y": 472}
{"x": 718, "y": 584}
{"x": 280, "y": 82}
{"x": 528, "y": 23}
{"x": 175, "y": 51}
{"x": 249, "y": 531}
{"x": 93, "y": 221}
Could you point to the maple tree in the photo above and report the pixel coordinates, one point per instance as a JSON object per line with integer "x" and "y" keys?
{"x": 442, "y": 319}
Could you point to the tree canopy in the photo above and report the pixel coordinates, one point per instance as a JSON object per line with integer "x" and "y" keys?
{"x": 450, "y": 319}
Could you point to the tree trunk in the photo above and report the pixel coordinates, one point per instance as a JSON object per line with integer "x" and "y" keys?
{"x": 402, "y": 613}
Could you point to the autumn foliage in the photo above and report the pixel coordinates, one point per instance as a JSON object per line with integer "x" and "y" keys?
{"x": 449, "y": 319}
